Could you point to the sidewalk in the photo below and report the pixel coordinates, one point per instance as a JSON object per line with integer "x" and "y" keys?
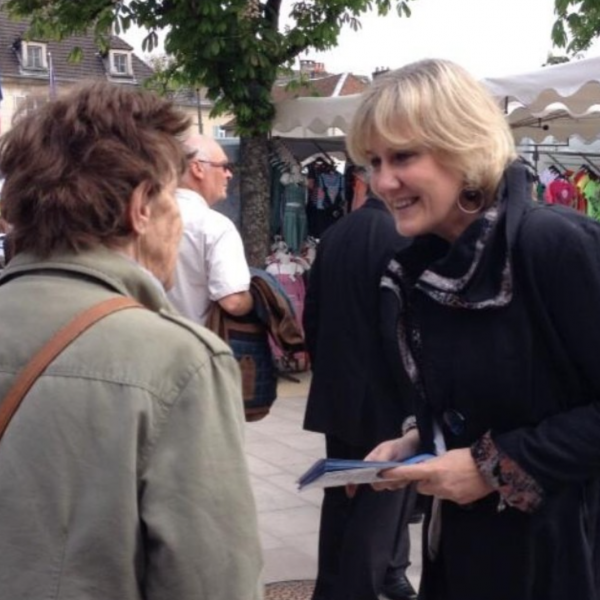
{"x": 278, "y": 452}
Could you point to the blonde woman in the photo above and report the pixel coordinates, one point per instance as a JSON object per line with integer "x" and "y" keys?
{"x": 497, "y": 326}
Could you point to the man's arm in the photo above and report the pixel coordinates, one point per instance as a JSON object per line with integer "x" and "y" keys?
{"x": 237, "y": 304}
{"x": 228, "y": 272}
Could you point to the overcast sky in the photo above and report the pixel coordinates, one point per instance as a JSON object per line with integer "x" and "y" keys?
{"x": 488, "y": 37}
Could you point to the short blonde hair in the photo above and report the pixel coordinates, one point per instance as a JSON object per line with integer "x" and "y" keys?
{"x": 436, "y": 105}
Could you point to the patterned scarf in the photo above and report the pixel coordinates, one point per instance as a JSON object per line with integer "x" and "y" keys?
{"x": 485, "y": 280}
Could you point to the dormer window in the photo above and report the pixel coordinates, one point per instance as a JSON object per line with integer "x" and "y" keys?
{"x": 34, "y": 56}
{"x": 120, "y": 63}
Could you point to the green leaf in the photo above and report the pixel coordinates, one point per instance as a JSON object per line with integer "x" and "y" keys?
{"x": 561, "y": 6}
{"x": 559, "y": 35}
{"x": 75, "y": 55}
{"x": 150, "y": 42}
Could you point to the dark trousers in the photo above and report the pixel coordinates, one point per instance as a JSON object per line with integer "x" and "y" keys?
{"x": 361, "y": 539}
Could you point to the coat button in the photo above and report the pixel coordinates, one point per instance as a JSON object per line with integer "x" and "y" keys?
{"x": 454, "y": 421}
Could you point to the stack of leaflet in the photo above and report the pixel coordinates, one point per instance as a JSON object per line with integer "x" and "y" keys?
{"x": 330, "y": 472}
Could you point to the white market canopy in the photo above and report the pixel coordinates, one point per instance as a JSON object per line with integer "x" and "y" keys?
{"x": 575, "y": 84}
{"x": 559, "y": 101}
{"x": 306, "y": 117}
{"x": 555, "y": 121}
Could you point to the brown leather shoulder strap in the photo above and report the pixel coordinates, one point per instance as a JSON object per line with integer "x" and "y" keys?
{"x": 32, "y": 370}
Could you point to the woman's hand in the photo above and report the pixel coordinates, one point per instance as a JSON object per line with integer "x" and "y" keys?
{"x": 397, "y": 449}
{"x": 452, "y": 476}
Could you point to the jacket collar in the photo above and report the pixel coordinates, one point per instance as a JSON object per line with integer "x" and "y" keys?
{"x": 105, "y": 267}
{"x": 476, "y": 271}
{"x": 372, "y": 202}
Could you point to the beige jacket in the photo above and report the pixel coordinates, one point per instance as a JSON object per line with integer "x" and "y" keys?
{"x": 123, "y": 475}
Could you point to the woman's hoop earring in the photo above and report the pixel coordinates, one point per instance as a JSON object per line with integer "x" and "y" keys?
{"x": 472, "y": 197}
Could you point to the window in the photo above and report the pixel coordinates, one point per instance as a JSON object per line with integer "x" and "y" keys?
{"x": 120, "y": 63}
{"x": 34, "y": 56}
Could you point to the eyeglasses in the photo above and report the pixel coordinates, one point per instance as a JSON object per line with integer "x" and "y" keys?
{"x": 226, "y": 166}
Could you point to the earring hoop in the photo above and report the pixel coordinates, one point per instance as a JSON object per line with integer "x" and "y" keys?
{"x": 471, "y": 196}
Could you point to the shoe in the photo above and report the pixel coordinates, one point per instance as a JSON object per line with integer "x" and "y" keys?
{"x": 399, "y": 588}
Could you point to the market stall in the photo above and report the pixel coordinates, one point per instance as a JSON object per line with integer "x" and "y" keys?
{"x": 315, "y": 117}
{"x": 551, "y": 110}
{"x": 575, "y": 85}
{"x": 560, "y": 101}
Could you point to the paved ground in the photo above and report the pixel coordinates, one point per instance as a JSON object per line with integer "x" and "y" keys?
{"x": 278, "y": 452}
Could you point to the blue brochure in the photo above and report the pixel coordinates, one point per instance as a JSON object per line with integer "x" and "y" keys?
{"x": 330, "y": 472}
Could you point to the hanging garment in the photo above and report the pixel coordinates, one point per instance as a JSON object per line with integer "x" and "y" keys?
{"x": 294, "y": 224}
{"x": 289, "y": 272}
{"x": 561, "y": 191}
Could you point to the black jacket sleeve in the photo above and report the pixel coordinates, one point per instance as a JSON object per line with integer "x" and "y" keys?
{"x": 558, "y": 254}
{"x": 310, "y": 316}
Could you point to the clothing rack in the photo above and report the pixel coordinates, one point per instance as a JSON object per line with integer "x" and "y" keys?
{"x": 281, "y": 153}
{"x": 557, "y": 162}
{"x": 324, "y": 153}
{"x": 574, "y": 159}
{"x": 565, "y": 159}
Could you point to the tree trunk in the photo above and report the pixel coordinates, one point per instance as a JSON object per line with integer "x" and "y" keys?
{"x": 254, "y": 197}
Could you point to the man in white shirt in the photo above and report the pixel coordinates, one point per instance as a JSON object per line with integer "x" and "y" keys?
{"x": 212, "y": 265}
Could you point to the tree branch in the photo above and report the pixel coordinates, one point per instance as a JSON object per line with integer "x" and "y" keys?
{"x": 272, "y": 12}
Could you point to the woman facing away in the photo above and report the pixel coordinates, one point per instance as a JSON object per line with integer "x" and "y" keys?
{"x": 498, "y": 302}
{"x": 122, "y": 474}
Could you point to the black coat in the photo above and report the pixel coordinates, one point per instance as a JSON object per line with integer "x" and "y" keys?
{"x": 528, "y": 371}
{"x": 355, "y": 392}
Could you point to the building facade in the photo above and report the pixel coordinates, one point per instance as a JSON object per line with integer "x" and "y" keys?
{"x": 32, "y": 71}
